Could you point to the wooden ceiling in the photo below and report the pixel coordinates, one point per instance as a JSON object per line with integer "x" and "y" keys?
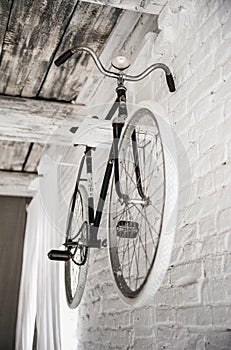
{"x": 34, "y": 94}
{"x": 34, "y": 32}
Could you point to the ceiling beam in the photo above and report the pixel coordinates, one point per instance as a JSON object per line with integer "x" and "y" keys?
{"x": 30, "y": 120}
{"x": 16, "y": 183}
{"x": 146, "y": 6}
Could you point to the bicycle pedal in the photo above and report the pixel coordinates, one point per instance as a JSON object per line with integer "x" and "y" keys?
{"x": 127, "y": 229}
{"x": 59, "y": 255}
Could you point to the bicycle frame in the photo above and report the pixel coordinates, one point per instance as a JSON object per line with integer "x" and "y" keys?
{"x": 95, "y": 216}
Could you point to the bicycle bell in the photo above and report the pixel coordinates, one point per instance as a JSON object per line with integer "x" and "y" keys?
{"x": 120, "y": 61}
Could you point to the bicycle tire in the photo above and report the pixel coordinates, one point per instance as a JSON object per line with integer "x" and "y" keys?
{"x": 137, "y": 281}
{"x": 76, "y": 275}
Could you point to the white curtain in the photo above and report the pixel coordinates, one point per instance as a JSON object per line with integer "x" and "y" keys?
{"x": 42, "y": 295}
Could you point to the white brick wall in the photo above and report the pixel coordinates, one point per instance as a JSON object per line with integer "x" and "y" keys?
{"x": 192, "y": 309}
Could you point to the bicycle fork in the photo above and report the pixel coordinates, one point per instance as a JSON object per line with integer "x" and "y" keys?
{"x": 118, "y": 125}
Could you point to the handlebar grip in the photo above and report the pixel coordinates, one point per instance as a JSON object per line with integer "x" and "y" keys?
{"x": 64, "y": 57}
{"x": 170, "y": 82}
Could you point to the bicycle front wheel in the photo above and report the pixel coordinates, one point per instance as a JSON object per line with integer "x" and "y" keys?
{"x": 139, "y": 239}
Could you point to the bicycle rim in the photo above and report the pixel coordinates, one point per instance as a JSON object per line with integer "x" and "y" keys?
{"x": 135, "y": 228}
{"x": 76, "y": 275}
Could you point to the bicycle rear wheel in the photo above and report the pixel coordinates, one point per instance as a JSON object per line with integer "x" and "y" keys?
{"x": 139, "y": 237}
{"x": 77, "y": 231}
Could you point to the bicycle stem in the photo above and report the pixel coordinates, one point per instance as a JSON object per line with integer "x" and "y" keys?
{"x": 125, "y": 77}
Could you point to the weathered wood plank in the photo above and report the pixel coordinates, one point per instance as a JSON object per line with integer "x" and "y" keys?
{"x": 145, "y": 6}
{"x": 12, "y": 155}
{"x": 91, "y": 26}
{"x": 16, "y": 184}
{"x": 34, "y": 31}
{"x": 29, "y": 120}
{"x": 34, "y": 157}
{"x": 5, "y": 6}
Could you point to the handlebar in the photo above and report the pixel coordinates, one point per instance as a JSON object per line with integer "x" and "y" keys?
{"x": 126, "y": 77}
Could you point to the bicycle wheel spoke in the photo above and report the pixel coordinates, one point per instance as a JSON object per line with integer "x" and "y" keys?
{"x": 135, "y": 249}
{"x": 77, "y": 227}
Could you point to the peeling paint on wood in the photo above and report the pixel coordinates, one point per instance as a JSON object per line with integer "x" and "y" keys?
{"x": 91, "y": 26}
{"x": 34, "y": 158}
{"x": 5, "y": 6}
{"x": 12, "y": 155}
{"x": 16, "y": 184}
{"x": 30, "y": 120}
{"x": 33, "y": 33}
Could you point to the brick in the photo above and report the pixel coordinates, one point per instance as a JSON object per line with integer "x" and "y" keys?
{"x": 120, "y": 338}
{"x": 227, "y": 111}
{"x": 175, "y": 337}
{"x": 229, "y": 151}
{"x": 204, "y": 53}
{"x": 198, "y": 316}
{"x": 216, "y": 339}
{"x": 224, "y": 12}
{"x": 187, "y": 196}
{"x": 165, "y": 315}
{"x": 144, "y": 343}
{"x": 177, "y": 256}
{"x": 202, "y": 166}
{"x": 186, "y": 234}
{"x": 222, "y": 91}
{"x": 178, "y": 296}
{"x": 217, "y": 156}
{"x": 206, "y": 185}
{"x": 204, "y": 108}
{"x": 204, "y": 206}
{"x": 227, "y": 241}
{"x": 213, "y": 265}
{"x": 182, "y": 73}
{"x": 205, "y": 89}
{"x": 191, "y": 249}
{"x": 179, "y": 111}
{"x": 207, "y": 225}
{"x": 213, "y": 245}
{"x": 223, "y": 132}
{"x": 222, "y": 175}
{"x": 225, "y": 29}
{"x": 208, "y": 141}
{"x": 192, "y": 271}
{"x": 143, "y": 322}
{"x": 205, "y": 68}
{"x": 182, "y": 91}
{"x": 227, "y": 263}
{"x": 224, "y": 199}
{"x": 217, "y": 290}
{"x": 206, "y": 14}
{"x": 113, "y": 303}
{"x": 221, "y": 315}
{"x": 207, "y": 122}
{"x": 211, "y": 26}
